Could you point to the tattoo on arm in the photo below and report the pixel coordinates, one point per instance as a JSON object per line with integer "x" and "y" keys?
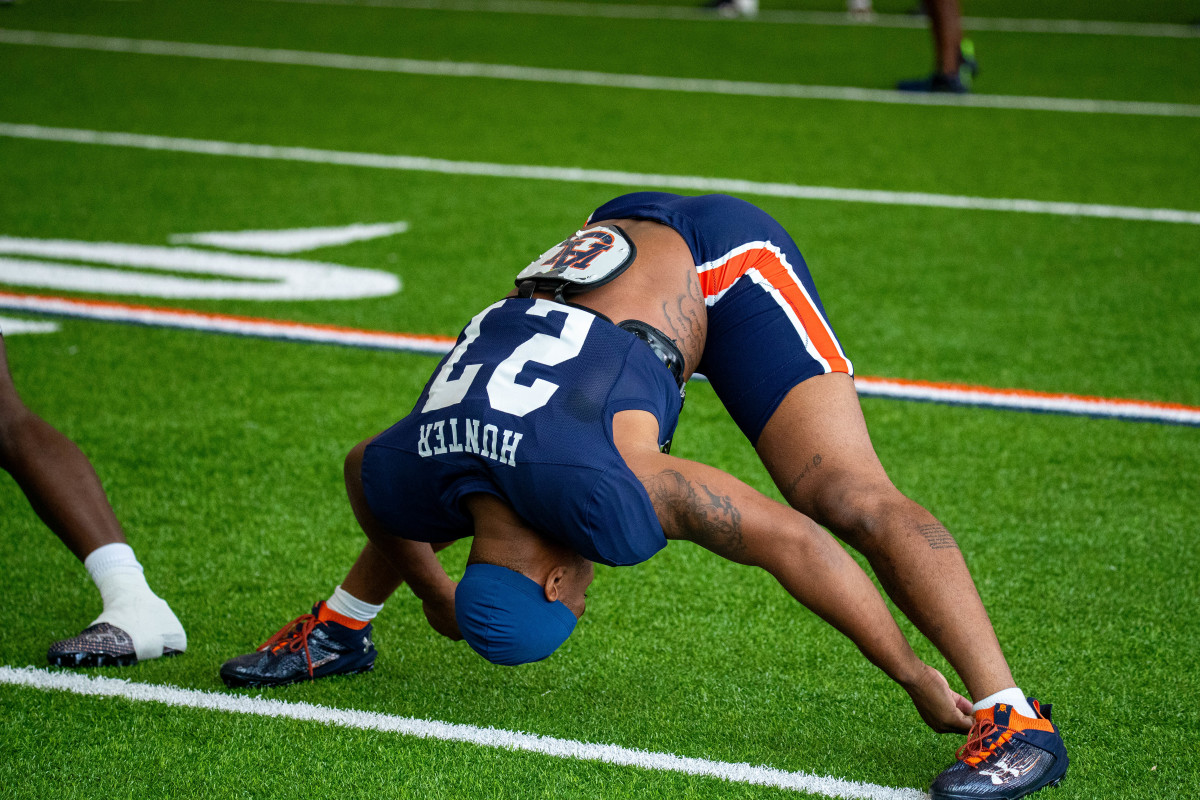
{"x": 938, "y": 537}
{"x": 693, "y": 511}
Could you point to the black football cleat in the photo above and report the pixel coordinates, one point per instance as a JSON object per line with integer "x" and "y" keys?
{"x": 958, "y": 82}
{"x": 305, "y": 649}
{"x": 100, "y": 645}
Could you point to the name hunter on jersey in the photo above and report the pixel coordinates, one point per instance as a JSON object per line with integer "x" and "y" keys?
{"x": 486, "y": 440}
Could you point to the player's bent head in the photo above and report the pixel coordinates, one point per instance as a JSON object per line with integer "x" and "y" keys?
{"x": 507, "y": 618}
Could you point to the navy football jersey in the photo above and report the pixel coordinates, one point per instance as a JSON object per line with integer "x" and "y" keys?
{"x": 522, "y": 408}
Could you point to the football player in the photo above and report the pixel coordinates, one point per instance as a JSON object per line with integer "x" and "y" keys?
{"x": 543, "y": 436}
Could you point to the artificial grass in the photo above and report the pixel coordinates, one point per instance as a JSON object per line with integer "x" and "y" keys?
{"x": 222, "y": 456}
{"x": 232, "y": 497}
{"x": 172, "y": 752}
{"x": 1056, "y": 65}
{"x": 1011, "y": 300}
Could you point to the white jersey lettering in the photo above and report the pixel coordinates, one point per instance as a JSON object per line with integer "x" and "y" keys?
{"x": 423, "y": 442}
{"x": 471, "y": 435}
{"x": 454, "y": 446}
{"x": 495, "y": 434}
{"x": 439, "y": 431}
{"x": 508, "y": 452}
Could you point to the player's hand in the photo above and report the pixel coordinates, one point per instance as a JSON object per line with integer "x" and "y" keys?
{"x": 943, "y": 709}
{"x": 440, "y": 613}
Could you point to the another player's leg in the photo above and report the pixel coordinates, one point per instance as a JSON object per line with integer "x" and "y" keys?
{"x": 819, "y": 453}
{"x": 955, "y": 65}
{"x": 63, "y": 489}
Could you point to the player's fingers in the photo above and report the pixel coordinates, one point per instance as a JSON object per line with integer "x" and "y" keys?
{"x": 959, "y": 721}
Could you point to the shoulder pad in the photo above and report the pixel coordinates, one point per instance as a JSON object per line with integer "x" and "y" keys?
{"x": 592, "y": 257}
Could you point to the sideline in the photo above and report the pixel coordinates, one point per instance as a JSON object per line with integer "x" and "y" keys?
{"x": 47, "y": 680}
{"x": 1155, "y": 30}
{"x": 893, "y": 388}
{"x": 459, "y": 69}
{"x": 641, "y": 180}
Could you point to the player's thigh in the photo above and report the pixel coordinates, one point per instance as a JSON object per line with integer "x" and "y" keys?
{"x": 819, "y": 453}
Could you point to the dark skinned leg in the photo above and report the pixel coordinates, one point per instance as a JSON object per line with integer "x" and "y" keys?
{"x": 819, "y": 453}
{"x": 945, "y": 22}
{"x": 54, "y": 474}
{"x": 386, "y": 559}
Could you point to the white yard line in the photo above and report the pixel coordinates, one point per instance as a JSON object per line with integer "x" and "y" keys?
{"x": 230, "y": 703}
{"x": 776, "y": 17}
{"x": 630, "y": 180}
{"x": 459, "y": 69}
{"x": 897, "y": 389}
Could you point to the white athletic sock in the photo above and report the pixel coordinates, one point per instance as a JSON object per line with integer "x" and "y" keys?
{"x": 350, "y": 606}
{"x": 129, "y": 603}
{"x": 1013, "y": 697}
{"x": 108, "y": 558}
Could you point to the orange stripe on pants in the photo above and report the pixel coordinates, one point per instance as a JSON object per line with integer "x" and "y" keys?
{"x": 776, "y": 273}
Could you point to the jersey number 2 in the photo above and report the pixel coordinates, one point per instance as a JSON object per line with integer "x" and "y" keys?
{"x": 504, "y": 393}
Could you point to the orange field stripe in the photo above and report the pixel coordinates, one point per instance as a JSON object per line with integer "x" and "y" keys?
{"x": 893, "y": 388}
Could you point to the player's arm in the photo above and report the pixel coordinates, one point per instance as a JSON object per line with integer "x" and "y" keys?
{"x": 715, "y": 510}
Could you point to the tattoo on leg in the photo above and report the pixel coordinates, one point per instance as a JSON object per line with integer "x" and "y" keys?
{"x": 808, "y": 467}
{"x": 938, "y": 537}
{"x": 694, "y": 511}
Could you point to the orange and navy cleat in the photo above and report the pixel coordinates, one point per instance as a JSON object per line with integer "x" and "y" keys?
{"x": 1006, "y": 756}
{"x": 311, "y": 646}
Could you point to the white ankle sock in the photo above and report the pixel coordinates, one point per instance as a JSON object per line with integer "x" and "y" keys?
{"x": 129, "y": 603}
{"x": 107, "y": 558}
{"x": 1013, "y": 697}
{"x": 350, "y": 606}
{"x": 117, "y": 574}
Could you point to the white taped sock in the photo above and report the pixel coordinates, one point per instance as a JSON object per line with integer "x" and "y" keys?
{"x": 350, "y": 606}
{"x": 1013, "y": 697}
{"x": 129, "y": 603}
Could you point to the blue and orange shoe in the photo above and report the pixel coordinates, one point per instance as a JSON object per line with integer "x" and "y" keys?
{"x": 311, "y": 646}
{"x": 1006, "y": 756}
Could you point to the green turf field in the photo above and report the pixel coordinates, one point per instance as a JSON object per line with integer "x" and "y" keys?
{"x": 222, "y": 455}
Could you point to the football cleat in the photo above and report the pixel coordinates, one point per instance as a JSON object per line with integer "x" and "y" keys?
{"x": 937, "y": 83}
{"x": 968, "y": 64}
{"x": 100, "y": 645}
{"x": 305, "y": 649}
{"x": 958, "y": 82}
{"x": 1006, "y": 756}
